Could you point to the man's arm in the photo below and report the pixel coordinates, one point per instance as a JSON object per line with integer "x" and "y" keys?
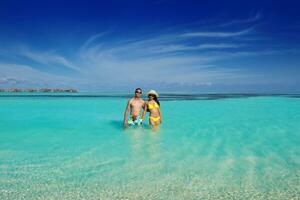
{"x": 145, "y": 110}
{"x": 126, "y": 112}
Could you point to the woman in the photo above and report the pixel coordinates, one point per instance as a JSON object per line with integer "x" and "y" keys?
{"x": 152, "y": 105}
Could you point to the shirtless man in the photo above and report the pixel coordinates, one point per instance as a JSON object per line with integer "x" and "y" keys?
{"x": 135, "y": 104}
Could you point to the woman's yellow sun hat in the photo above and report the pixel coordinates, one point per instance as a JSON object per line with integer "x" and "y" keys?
{"x": 152, "y": 92}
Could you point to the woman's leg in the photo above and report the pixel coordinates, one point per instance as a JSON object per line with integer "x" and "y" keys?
{"x": 154, "y": 123}
{"x": 151, "y": 122}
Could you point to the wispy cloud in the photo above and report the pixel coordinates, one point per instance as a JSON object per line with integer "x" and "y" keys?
{"x": 254, "y": 18}
{"x": 166, "y": 58}
{"x": 217, "y": 34}
{"x": 92, "y": 39}
{"x": 175, "y": 48}
{"x": 27, "y": 75}
{"x": 8, "y": 80}
{"x": 48, "y": 58}
{"x": 191, "y": 58}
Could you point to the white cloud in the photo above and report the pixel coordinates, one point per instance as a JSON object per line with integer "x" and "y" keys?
{"x": 217, "y": 34}
{"x": 174, "y": 48}
{"x": 163, "y": 59}
{"x": 92, "y": 39}
{"x": 148, "y": 61}
{"x": 254, "y": 18}
{"x": 18, "y": 75}
{"x": 48, "y": 58}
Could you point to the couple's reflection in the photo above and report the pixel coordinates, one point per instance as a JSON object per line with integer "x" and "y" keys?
{"x": 144, "y": 143}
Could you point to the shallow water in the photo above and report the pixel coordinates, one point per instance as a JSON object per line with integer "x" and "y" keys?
{"x": 229, "y": 147}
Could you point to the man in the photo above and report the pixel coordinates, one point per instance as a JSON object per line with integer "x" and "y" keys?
{"x": 135, "y": 105}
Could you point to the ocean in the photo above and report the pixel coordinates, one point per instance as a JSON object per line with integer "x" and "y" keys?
{"x": 210, "y": 146}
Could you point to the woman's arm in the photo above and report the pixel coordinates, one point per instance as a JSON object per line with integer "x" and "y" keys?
{"x": 160, "y": 115}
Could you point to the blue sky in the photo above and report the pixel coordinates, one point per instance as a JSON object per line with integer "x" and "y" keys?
{"x": 199, "y": 46}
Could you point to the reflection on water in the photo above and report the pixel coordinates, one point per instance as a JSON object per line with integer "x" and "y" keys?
{"x": 117, "y": 124}
{"x": 144, "y": 144}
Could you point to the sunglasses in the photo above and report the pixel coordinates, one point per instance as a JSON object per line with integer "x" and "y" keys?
{"x": 140, "y": 92}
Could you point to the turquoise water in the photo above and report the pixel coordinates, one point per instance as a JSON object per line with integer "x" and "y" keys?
{"x": 76, "y": 148}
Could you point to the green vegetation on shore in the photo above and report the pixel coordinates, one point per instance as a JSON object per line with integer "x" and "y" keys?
{"x": 38, "y": 90}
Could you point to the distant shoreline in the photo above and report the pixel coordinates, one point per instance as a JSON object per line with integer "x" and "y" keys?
{"x": 163, "y": 96}
{"x": 39, "y": 90}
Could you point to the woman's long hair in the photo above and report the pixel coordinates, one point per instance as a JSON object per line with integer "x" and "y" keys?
{"x": 156, "y": 100}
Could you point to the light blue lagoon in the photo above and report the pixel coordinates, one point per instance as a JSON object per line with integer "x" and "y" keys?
{"x": 73, "y": 146}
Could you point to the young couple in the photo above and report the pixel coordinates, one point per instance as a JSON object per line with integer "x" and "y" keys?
{"x": 136, "y": 104}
